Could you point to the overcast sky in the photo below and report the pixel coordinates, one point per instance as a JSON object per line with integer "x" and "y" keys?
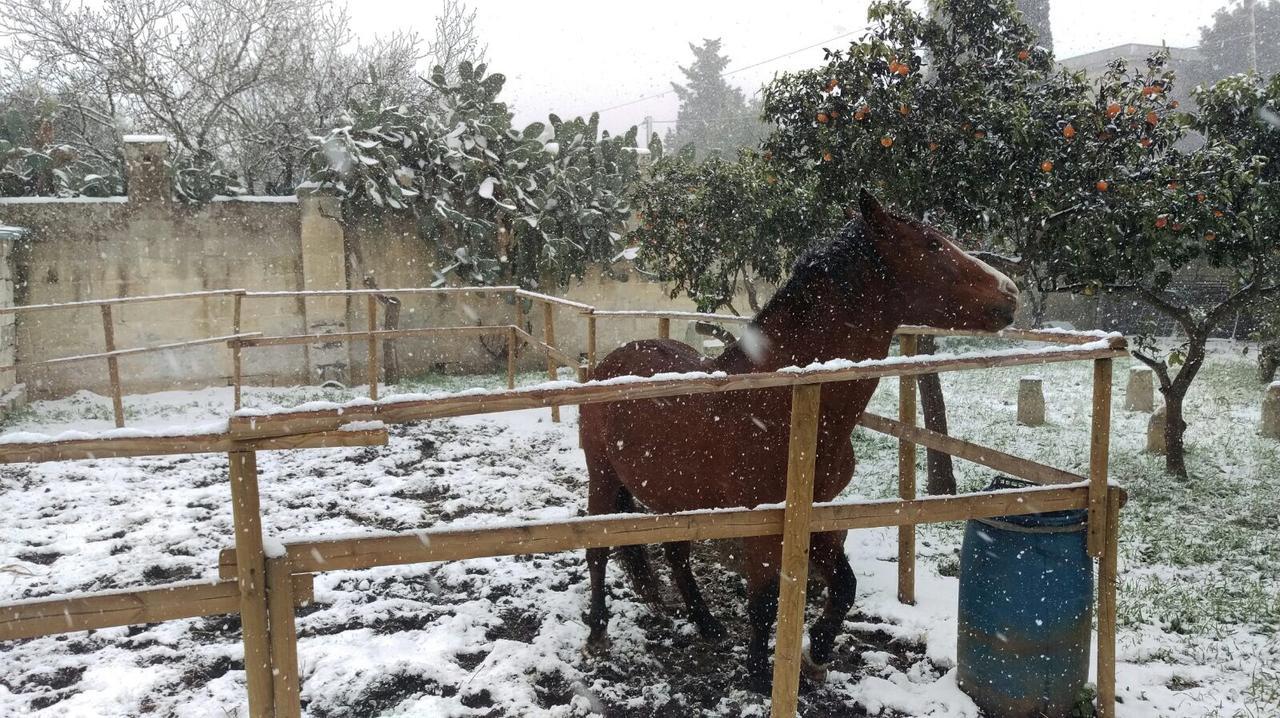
{"x": 576, "y": 56}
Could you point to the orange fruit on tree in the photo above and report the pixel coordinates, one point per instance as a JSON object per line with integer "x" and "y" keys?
{"x": 1209, "y": 236}
{"x": 1177, "y": 226}
{"x": 1046, "y": 166}
{"x": 1161, "y": 221}
{"x": 1130, "y": 109}
{"x": 980, "y": 134}
{"x": 832, "y": 85}
{"x": 1199, "y": 196}
{"x": 886, "y": 141}
{"x": 1150, "y": 90}
{"x": 1173, "y": 105}
{"x": 1145, "y": 142}
{"x": 933, "y": 146}
{"x": 1174, "y": 185}
{"x": 1218, "y": 213}
{"x": 1024, "y": 55}
{"x": 904, "y": 110}
{"x": 822, "y": 118}
{"x": 1152, "y": 118}
{"x": 826, "y": 156}
{"x": 1069, "y": 131}
{"x": 1103, "y": 185}
{"x": 1112, "y": 110}
{"x": 861, "y": 113}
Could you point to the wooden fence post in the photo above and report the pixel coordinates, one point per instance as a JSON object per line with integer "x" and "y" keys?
{"x": 549, "y": 336}
{"x": 236, "y": 369}
{"x": 907, "y": 478}
{"x": 802, "y": 450}
{"x": 286, "y": 688}
{"x": 1099, "y": 454}
{"x": 373, "y": 347}
{"x": 250, "y": 573}
{"x": 511, "y": 357}
{"x": 591, "y": 342}
{"x": 664, "y": 327}
{"x": 1107, "y": 610}
{"x": 113, "y": 365}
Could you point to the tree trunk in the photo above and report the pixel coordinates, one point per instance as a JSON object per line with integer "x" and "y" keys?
{"x": 1175, "y": 457}
{"x": 1175, "y": 429}
{"x": 941, "y": 472}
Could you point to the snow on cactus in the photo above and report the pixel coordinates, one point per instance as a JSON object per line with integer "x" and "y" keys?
{"x": 499, "y": 204}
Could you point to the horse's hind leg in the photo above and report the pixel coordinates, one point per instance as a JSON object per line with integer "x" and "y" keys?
{"x": 606, "y": 495}
{"x": 678, "y": 556}
{"x": 762, "y": 562}
{"x": 635, "y": 559}
{"x": 827, "y": 553}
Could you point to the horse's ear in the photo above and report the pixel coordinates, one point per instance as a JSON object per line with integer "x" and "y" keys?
{"x": 872, "y": 212}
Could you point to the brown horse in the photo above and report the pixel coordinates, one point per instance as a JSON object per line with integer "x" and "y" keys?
{"x": 844, "y": 299}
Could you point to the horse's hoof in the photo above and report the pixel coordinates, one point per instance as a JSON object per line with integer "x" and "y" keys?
{"x": 712, "y": 630}
{"x": 816, "y": 672}
{"x": 653, "y": 599}
{"x": 759, "y": 683}
{"x": 597, "y": 644}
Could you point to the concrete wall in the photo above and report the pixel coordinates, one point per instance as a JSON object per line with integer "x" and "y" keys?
{"x": 90, "y": 250}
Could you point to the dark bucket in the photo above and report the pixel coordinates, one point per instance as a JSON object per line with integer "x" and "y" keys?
{"x": 1026, "y": 606}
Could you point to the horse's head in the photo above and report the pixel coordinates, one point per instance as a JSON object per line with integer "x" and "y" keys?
{"x": 940, "y": 285}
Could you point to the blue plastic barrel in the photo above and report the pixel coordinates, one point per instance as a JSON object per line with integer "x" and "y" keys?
{"x": 1026, "y": 605}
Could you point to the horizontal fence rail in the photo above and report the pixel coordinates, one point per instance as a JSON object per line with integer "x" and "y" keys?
{"x": 635, "y": 529}
{"x": 391, "y": 410}
{"x": 190, "y": 599}
{"x": 112, "y": 301}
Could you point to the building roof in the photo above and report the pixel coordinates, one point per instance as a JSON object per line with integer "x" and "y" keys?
{"x": 1096, "y": 61}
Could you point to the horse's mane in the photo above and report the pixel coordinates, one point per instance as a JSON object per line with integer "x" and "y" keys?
{"x": 845, "y": 259}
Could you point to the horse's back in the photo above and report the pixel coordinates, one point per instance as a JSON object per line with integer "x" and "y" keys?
{"x": 647, "y": 357}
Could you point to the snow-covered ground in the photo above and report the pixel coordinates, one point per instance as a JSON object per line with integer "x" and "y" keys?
{"x": 1199, "y": 606}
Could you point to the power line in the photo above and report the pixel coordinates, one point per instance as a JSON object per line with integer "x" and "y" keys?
{"x": 735, "y": 71}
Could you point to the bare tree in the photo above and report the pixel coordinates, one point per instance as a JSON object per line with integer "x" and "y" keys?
{"x": 456, "y": 38}
{"x": 246, "y": 81}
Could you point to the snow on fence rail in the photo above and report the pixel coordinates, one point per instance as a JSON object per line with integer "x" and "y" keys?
{"x": 267, "y": 585}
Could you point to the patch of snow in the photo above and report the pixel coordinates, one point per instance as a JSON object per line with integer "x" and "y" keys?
{"x": 259, "y": 199}
{"x": 64, "y": 200}
{"x": 139, "y": 139}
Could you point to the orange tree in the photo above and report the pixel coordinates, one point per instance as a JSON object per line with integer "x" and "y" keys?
{"x": 1166, "y": 210}
{"x": 711, "y": 229}
{"x": 1092, "y": 187}
{"x": 959, "y": 118}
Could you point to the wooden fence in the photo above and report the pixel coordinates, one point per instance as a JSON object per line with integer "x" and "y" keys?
{"x": 264, "y": 589}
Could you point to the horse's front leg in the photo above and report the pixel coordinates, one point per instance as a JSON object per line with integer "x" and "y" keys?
{"x": 602, "y": 496}
{"x": 762, "y": 565}
{"x": 827, "y": 553}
